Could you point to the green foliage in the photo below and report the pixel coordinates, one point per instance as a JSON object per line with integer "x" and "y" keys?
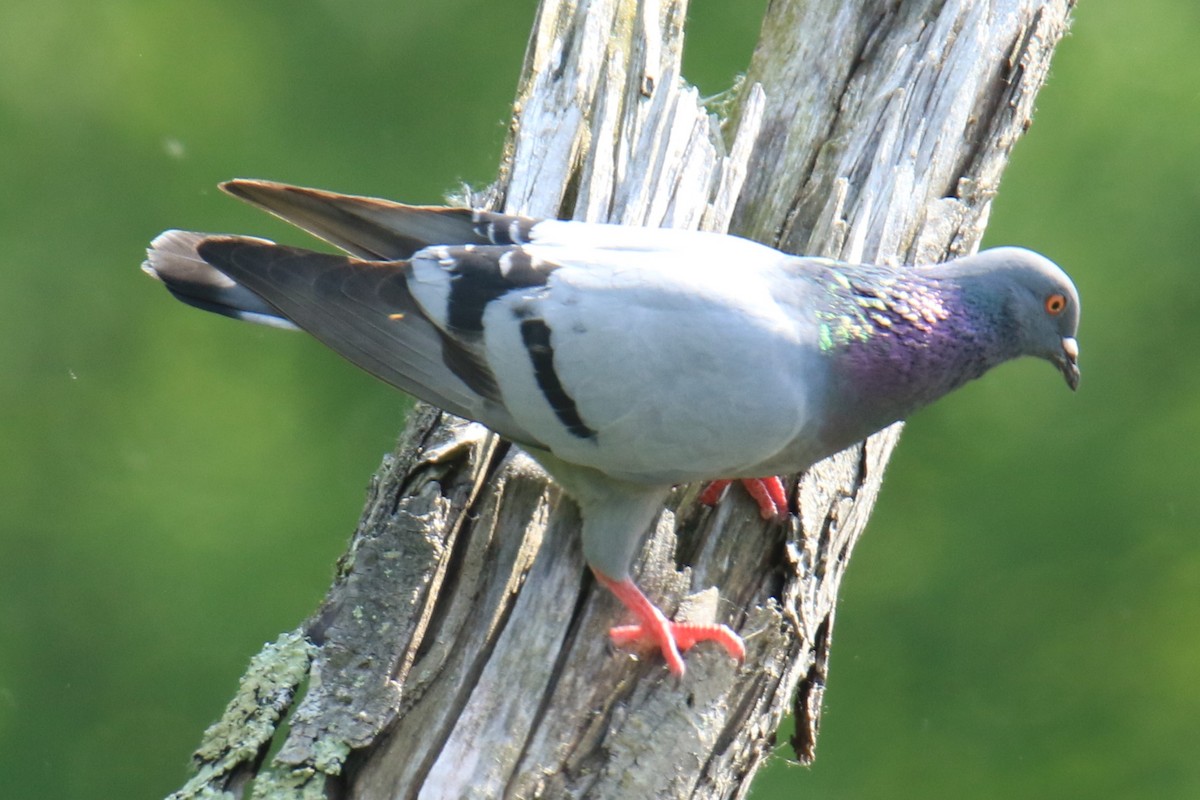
{"x": 1020, "y": 619}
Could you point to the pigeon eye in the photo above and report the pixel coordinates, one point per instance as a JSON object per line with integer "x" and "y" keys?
{"x": 1055, "y": 304}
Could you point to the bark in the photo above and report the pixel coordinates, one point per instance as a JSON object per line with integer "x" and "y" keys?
{"x": 461, "y": 651}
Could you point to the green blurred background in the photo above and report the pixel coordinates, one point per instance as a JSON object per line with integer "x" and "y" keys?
{"x": 1022, "y": 618}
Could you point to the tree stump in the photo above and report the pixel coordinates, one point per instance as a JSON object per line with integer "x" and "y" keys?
{"x": 462, "y": 650}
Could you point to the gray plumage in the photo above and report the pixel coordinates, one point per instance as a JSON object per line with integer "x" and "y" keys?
{"x": 627, "y": 360}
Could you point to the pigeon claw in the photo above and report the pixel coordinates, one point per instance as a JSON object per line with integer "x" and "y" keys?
{"x": 672, "y": 638}
{"x": 676, "y": 638}
{"x": 711, "y": 494}
{"x": 767, "y": 492}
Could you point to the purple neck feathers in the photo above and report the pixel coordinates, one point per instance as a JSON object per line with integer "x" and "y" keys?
{"x": 899, "y": 340}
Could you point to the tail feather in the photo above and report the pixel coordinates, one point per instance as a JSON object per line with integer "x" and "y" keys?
{"x": 360, "y": 309}
{"x": 172, "y": 259}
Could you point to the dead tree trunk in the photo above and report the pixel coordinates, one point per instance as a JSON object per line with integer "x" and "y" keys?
{"x": 461, "y": 651}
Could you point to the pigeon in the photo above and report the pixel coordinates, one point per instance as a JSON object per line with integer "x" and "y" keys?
{"x": 628, "y": 360}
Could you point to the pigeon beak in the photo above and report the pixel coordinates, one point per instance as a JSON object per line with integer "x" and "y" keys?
{"x": 1068, "y": 361}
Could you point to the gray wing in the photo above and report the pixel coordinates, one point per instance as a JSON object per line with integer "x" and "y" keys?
{"x": 362, "y": 310}
{"x": 377, "y": 229}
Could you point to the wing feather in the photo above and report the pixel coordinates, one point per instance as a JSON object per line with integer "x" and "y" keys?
{"x": 377, "y": 229}
{"x": 360, "y": 309}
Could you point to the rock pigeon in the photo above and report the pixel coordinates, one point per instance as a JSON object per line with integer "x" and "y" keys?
{"x": 627, "y": 360}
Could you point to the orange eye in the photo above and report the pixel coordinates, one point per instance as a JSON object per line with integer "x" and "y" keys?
{"x": 1055, "y": 304}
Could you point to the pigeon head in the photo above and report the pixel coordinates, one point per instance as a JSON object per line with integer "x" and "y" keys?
{"x": 899, "y": 339}
{"x": 1039, "y": 300}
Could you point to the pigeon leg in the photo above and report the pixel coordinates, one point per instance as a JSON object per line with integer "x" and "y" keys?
{"x": 767, "y": 492}
{"x": 671, "y": 637}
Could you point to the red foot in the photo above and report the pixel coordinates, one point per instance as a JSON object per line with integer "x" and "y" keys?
{"x": 767, "y": 492}
{"x": 672, "y": 638}
{"x": 712, "y": 493}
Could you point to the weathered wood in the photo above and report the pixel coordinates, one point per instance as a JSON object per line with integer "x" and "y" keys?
{"x": 462, "y": 650}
